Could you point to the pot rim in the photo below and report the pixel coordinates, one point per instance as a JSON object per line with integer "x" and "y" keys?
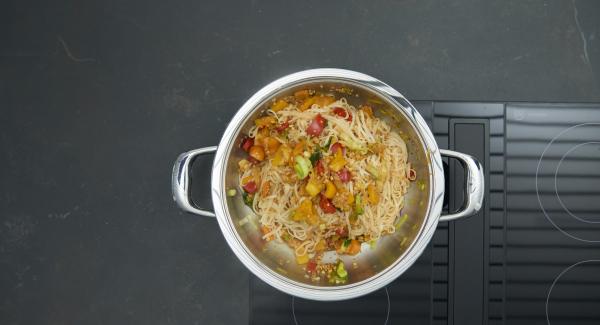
{"x": 383, "y": 277}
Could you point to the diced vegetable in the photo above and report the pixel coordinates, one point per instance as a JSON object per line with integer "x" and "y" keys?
{"x": 250, "y": 187}
{"x": 344, "y": 175}
{"x": 326, "y": 205}
{"x": 412, "y": 174}
{"x": 313, "y": 187}
{"x": 372, "y": 195}
{"x": 320, "y": 246}
{"x": 247, "y": 142}
{"x": 302, "y": 167}
{"x": 319, "y": 167}
{"x": 281, "y": 127}
{"x": 341, "y": 270}
{"x": 341, "y": 112}
{"x": 372, "y": 243}
{"x": 324, "y": 100}
{"x": 304, "y": 93}
{"x": 306, "y": 104}
{"x": 344, "y": 246}
{"x": 353, "y": 248}
{"x": 282, "y": 155}
{"x": 338, "y": 161}
{"x": 316, "y": 155}
{"x": 231, "y": 192}
{"x": 304, "y": 209}
{"x": 265, "y": 121}
{"x": 326, "y": 147}
{"x": 257, "y": 152}
{"x": 271, "y": 145}
{"x": 358, "y": 205}
{"x": 313, "y": 218}
{"x": 316, "y": 126}
{"x": 244, "y": 165}
{"x": 401, "y": 221}
{"x": 350, "y": 143}
{"x": 336, "y": 147}
{"x": 248, "y": 198}
{"x": 311, "y": 266}
{"x": 265, "y": 230}
{"x": 330, "y": 190}
{"x": 261, "y": 134}
{"x": 279, "y": 105}
{"x": 367, "y": 110}
{"x": 299, "y": 148}
{"x": 302, "y": 259}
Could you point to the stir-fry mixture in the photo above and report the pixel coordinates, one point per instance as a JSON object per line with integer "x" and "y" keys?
{"x": 324, "y": 175}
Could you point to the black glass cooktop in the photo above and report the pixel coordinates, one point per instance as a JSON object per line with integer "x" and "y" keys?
{"x": 531, "y": 255}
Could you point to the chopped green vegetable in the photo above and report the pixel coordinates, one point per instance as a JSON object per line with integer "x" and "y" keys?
{"x": 401, "y": 221}
{"x": 315, "y": 156}
{"x": 328, "y": 144}
{"x": 231, "y": 192}
{"x": 341, "y": 270}
{"x": 373, "y": 243}
{"x": 346, "y": 244}
{"x": 248, "y": 198}
{"x": 302, "y": 167}
{"x": 243, "y": 221}
{"x": 286, "y": 236}
{"x": 358, "y": 208}
{"x": 403, "y": 241}
{"x": 351, "y": 144}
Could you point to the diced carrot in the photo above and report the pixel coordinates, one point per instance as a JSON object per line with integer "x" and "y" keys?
{"x": 307, "y": 103}
{"x": 279, "y": 105}
{"x": 302, "y": 259}
{"x": 265, "y": 121}
{"x": 282, "y": 155}
{"x": 257, "y": 152}
{"x": 265, "y": 230}
{"x": 303, "y": 94}
{"x": 330, "y": 190}
{"x": 338, "y": 161}
{"x": 320, "y": 246}
{"x": 324, "y": 100}
{"x": 367, "y": 110}
{"x": 372, "y": 195}
{"x": 354, "y": 247}
{"x": 298, "y": 148}
{"x": 271, "y": 145}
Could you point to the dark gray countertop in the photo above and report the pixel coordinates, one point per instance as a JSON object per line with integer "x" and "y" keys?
{"x": 98, "y": 99}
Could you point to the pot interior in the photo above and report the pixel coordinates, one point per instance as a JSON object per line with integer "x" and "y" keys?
{"x": 276, "y": 256}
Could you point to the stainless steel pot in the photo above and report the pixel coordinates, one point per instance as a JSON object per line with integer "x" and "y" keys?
{"x": 273, "y": 262}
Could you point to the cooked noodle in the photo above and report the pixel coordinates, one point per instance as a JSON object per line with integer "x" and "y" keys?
{"x": 377, "y": 162}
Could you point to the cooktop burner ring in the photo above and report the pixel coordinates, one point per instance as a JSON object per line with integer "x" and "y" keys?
{"x": 537, "y": 188}
{"x": 560, "y": 275}
{"x": 387, "y": 316}
{"x": 560, "y": 201}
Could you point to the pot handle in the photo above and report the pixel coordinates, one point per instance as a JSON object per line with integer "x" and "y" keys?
{"x": 474, "y": 185}
{"x": 180, "y": 180}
